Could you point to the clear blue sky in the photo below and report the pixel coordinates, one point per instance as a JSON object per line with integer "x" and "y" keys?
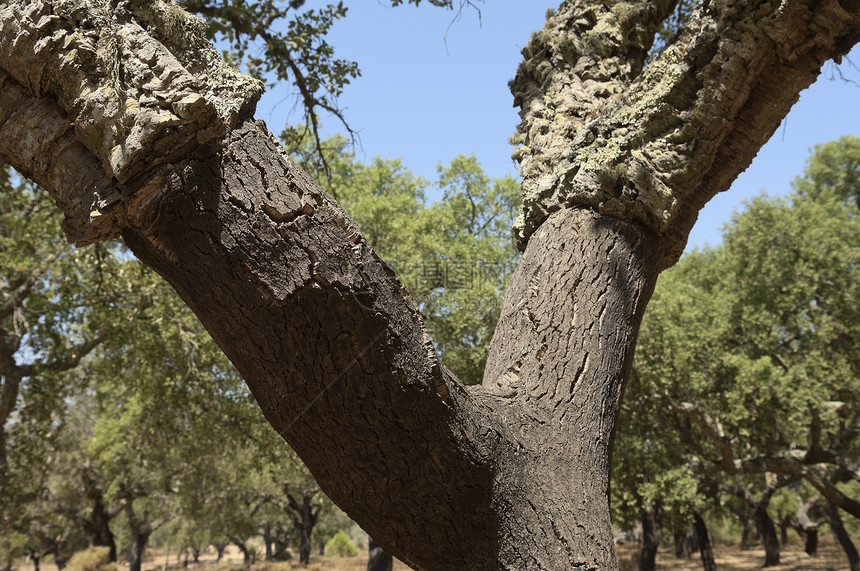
{"x": 431, "y": 89}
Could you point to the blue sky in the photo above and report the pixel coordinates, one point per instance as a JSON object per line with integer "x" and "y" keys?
{"x": 432, "y": 88}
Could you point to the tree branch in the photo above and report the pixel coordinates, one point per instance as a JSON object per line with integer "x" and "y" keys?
{"x": 711, "y": 427}
{"x": 655, "y": 147}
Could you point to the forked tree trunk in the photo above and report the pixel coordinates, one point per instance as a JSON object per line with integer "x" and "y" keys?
{"x": 125, "y": 114}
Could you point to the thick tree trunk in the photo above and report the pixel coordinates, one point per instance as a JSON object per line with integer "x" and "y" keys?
{"x": 706, "y": 546}
{"x": 843, "y": 538}
{"x": 378, "y": 559}
{"x": 616, "y": 164}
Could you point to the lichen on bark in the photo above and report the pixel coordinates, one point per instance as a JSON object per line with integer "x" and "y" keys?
{"x": 652, "y": 145}
{"x": 138, "y": 80}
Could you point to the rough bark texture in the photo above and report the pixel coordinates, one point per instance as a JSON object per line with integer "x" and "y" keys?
{"x": 126, "y": 117}
{"x": 654, "y": 147}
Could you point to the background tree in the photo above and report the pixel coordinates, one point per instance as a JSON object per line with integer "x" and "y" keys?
{"x": 750, "y": 347}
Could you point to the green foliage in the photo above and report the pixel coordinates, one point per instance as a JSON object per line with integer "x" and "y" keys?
{"x": 340, "y": 546}
{"x": 92, "y": 559}
{"x": 833, "y": 173}
{"x": 750, "y": 348}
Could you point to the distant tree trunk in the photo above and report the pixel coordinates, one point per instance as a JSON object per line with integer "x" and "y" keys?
{"x": 843, "y": 538}
{"x": 706, "y": 547}
{"x": 98, "y": 526}
{"x": 267, "y": 541}
{"x": 35, "y": 557}
{"x": 810, "y": 542}
{"x": 59, "y": 557}
{"x": 304, "y": 545}
{"x": 246, "y": 552}
{"x": 220, "y": 547}
{"x": 281, "y": 544}
{"x": 4, "y": 468}
{"x": 767, "y": 530}
{"x": 304, "y": 514}
{"x": 378, "y": 559}
{"x": 650, "y": 539}
{"x": 746, "y": 534}
{"x": 682, "y": 542}
{"x": 806, "y": 528}
{"x": 137, "y": 544}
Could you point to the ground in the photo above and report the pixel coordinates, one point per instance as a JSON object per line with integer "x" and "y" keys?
{"x": 830, "y": 557}
{"x": 728, "y": 557}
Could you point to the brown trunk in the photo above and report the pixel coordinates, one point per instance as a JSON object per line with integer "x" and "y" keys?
{"x": 267, "y": 541}
{"x": 98, "y": 526}
{"x": 304, "y": 514}
{"x": 810, "y": 542}
{"x": 767, "y": 530}
{"x": 559, "y": 384}
{"x": 650, "y": 540}
{"x": 706, "y": 546}
{"x": 806, "y": 528}
{"x": 682, "y": 543}
{"x": 137, "y": 544}
{"x": 843, "y": 538}
{"x": 247, "y": 559}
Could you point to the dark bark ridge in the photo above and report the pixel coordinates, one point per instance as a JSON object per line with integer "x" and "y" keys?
{"x": 512, "y": 474}
{"x": 654, "y": 147}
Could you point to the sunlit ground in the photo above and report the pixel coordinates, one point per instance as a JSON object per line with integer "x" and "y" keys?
{"x": 830, "y": 557}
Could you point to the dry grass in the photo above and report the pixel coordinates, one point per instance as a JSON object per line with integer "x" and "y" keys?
{"x": 729, "y": 558}
{"x": 830, "y": 557}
